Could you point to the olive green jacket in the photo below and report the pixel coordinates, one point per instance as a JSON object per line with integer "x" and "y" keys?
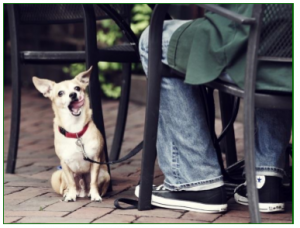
{"x": 205, "y": 47}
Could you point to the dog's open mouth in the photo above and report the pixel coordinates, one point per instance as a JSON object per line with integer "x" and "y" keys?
{"x": 75, "y": 107}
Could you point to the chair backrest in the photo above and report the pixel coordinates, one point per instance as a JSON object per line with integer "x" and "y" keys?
{"x": 63, "y": 13}
{"x": 276, "y": 39}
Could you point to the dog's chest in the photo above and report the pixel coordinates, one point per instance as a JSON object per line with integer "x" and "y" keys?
{"x": 72, "y": 154}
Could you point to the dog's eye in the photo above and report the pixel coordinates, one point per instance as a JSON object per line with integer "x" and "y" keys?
{"x": 77, "y": 88}
{"x": 60, "y": 93}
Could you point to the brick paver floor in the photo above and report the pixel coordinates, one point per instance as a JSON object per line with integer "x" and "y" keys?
{"x": 28, "y": 197}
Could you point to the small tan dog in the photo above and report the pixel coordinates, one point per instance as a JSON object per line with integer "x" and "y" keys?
{"x": 73, "y": 120}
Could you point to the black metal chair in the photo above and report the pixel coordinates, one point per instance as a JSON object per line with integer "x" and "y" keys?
{"x": 41, "y": 14}
{"x": 257, "y": 51}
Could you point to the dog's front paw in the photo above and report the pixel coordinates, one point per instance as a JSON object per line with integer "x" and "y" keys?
{"x": 94, "y": 194}
{"x": 96, "y": 198}
{"x": 70, "y": 196}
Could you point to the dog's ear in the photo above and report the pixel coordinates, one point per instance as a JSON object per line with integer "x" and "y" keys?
{"x": 43, "y": 85}
{"x": 84, "y": 77}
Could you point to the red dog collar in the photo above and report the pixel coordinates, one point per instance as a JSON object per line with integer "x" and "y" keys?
{"x": 73, "y": 135}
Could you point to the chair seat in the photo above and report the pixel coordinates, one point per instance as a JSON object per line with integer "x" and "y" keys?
{"x": 119, "y": 53}
{"x": 267, "y": 99}
{"x": 282, "y": 100}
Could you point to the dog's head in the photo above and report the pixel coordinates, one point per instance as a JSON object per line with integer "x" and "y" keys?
{"x": 68, "y": 95}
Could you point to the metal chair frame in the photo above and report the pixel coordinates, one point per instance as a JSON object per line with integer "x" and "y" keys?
{"x": 251, "y": 99}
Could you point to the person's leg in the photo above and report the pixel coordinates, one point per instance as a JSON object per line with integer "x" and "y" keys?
{"x": 185, "y": 151}
{"x": 272, "y": 135}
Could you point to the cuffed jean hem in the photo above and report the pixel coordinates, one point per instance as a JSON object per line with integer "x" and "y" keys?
{"x": 196, "y": 186}
{"x": 270, "y": 171}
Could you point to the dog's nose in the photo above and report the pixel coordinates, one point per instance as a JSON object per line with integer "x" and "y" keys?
{"x": 73, "y": 96}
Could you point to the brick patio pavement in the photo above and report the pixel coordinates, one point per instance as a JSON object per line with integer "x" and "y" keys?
{"x": 28, "y": 197}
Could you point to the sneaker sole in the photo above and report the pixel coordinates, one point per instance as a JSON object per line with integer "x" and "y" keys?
{"x": 184, "y": 205}
{"x": 263, "y": 207}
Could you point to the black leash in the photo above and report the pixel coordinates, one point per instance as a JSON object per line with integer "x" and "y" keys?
{"x": 79, "y": 143}
{"x": 133, "y": 152}
{"x": 133, "y": 203}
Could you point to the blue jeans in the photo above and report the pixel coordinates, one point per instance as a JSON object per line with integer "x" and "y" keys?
{"x": 185, "y": 150}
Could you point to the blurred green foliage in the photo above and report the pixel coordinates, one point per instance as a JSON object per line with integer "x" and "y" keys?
{"x": 141, "y": 14}
{"x": 108, "y": 35}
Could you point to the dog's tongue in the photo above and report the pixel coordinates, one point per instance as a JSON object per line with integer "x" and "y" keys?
{"x": 77, "y": 104}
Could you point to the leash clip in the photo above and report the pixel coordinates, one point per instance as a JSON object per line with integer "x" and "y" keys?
{"x": 80, "y": 144}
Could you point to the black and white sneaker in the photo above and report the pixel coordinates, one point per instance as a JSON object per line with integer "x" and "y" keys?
{"x": 207, "y": 201}
{"x": 270, "y": 193}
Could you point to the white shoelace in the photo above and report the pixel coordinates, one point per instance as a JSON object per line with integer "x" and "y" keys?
{"x": 161, "y": 187}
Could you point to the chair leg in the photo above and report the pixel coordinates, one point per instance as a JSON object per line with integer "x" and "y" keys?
{"x": 249, "y": 105}
{"x": 150, "y": 137}
{"x": 94, "y": 85}
{"x": 208, "y": 100}
{"x": 16, "y": 91}
{"x": 228, "y": 143}
{"x": 149, "y": 150}
{"x": 122, "y": 113}
{"x": 152, "y": 109}
{"x": 250, "y": 164}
